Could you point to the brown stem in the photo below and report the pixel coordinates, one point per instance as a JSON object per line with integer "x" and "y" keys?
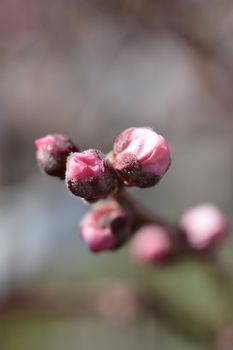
{"x": 140, "y": 216}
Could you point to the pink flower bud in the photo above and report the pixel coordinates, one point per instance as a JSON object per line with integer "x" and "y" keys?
{"x": 203, "y": 226}
{"x": 104, "y": 227}
{"x": 141, "y": 156}
{"x": 52, "y": 152}
{"x": 90, "y": 175}
{"x": 150, "y": 244}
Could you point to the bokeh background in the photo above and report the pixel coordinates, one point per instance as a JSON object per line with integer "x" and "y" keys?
{"x": 89, "y": 69}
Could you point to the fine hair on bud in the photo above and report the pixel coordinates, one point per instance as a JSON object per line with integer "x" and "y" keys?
{"x": 105, "y": 227}
{"x": 140, "y": 156}
{"x": 52, "y": 152}
{"x": 90, "y": 175}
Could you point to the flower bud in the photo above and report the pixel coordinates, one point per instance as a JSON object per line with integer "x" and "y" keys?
{"x": 105, "y": 227}
{"x": 52, "y": 152}
{"x": 140, "y": 156}
{"x": 90, "y": 175}
{"x": 203, "y": 226}
{"x": 150, "y": 244}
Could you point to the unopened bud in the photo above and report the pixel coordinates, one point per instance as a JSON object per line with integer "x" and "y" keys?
{"x": 140, "y": 156}
{"x": 105, "y": 227}
{"x": 52, "y": 152}
{"x": 150, "y": 244}
{"x": 203, "y": 226}
{"x": 90, "y": 175}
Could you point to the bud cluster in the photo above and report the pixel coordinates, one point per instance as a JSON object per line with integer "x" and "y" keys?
{"x": 139, "y": 157}
{"x": 200, "y": 230}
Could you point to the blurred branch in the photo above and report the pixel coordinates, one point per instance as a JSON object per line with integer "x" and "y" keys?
{"x": 118, "y": 303}
{"x": 141, "y": 216}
